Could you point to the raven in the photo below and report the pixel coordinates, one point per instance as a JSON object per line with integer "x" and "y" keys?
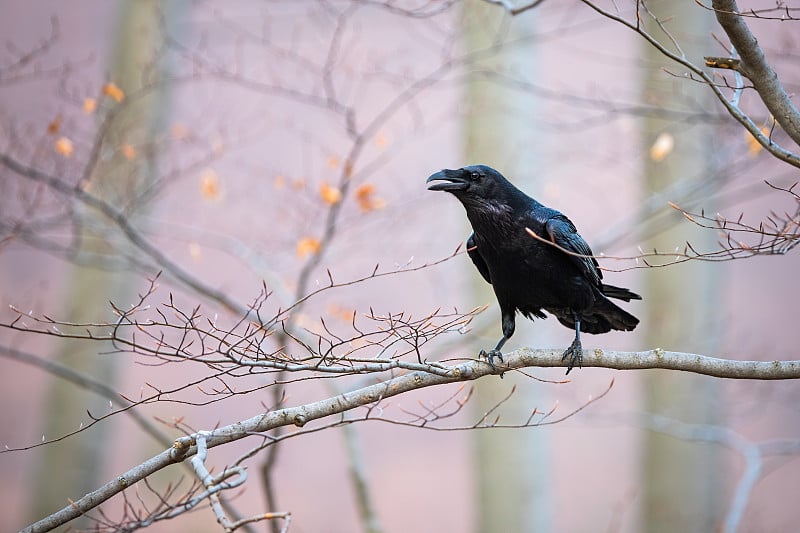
{"x": 528, "y": 275}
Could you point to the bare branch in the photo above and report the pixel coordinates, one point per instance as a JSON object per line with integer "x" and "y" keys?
{"x": 757, "y": 68}
{"x": 514, "y": 9}
{"x": 132, "y": 234}
{"x": 299, "y": 416}
{"x": 752, "y": 453}
{"x": 734, "y": 110}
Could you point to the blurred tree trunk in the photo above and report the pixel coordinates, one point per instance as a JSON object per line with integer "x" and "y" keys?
{"x": 512, "y": 471}
{"x": 681, "y": 480}
{"x": 70, "y": 468}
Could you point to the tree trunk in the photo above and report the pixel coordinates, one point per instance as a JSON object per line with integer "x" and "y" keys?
{"x": 72, "y": 467}
{"x": 681, "y": 480}
{"x": 512, "y": 470}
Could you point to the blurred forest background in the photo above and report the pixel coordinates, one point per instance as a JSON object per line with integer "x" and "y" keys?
{"x": 241, "y": 152}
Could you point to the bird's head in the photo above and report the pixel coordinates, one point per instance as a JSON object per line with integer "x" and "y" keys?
{"x": 475, "y": 182}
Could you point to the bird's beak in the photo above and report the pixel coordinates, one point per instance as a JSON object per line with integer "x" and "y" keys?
{"x": 448, "y": 180}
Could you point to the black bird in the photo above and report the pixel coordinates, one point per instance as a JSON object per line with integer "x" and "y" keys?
{"x": 528, "y": 275}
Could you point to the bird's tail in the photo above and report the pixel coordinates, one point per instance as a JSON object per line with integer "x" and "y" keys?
{"x": 619, "y": 293}
{"x": 604, "y": 316}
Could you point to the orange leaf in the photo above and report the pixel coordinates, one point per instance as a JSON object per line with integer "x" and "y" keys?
{"x": 364, "y": 190}
{"x": 341, "y": 313}
{"x": 280, "y": 182}
{"x": 330, "y": 195}
{"x": 64, "y": 146}
{"x": 54, "y": 126}
{"x": 307, "y": 245}
{"x": 128, "y": 151}
{"x": 366, "y": 199}
{"x": 753, "y": 146}
{"x": 209, "y": 185}
{"x": 111, "y": 90}
{"x": 89, "y": 105}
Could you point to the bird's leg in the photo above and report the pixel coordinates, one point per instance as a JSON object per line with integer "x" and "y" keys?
{"x": 575, "y": 350}
{"x": 508, "y": 331}
{"x": 495, "y": 352}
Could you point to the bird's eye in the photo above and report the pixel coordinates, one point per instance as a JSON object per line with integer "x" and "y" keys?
{"x": 474, "y": 176}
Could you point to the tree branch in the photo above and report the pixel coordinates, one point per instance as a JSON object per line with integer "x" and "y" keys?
{"x": 753, "y": 453}
{"x": 757, "y": 69}
{"x": 733, "y": 109}
{"x": 185, "y": 447}
{"x": 127, "y": 229}
{"x": 656, "y": 358}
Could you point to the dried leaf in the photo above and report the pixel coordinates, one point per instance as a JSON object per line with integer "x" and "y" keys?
{"x": 111, "y": 90}
{"x": 306, "y": 246}
{"x": 64, "y": 146}
{"x": 54, "y": 126}
{"x": 365, "y": 195}
{"x": 333, "y": 162}
{"x": 209, "y": 185}
{"x": 662, "y": 147}
{"x": 753, "y": 146}
{"x": 342, "y": 313}
{"x": 89, "y": 105}
{"x": 365, "y": 190}
{"x": 128, "y": 151}
{"x": 330, "y": 195}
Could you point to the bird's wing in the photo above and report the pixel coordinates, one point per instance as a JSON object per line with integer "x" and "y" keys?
{"x": 562, "y": 232}
{"x": 474, "y": 254}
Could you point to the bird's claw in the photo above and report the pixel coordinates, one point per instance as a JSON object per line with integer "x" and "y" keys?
{"x": 575, "y": 351}
{"x": 489, "y": 356}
